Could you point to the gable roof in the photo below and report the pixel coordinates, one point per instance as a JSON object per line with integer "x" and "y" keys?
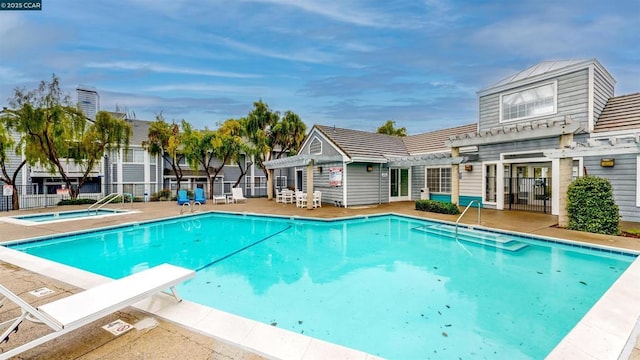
{"x": 363, "y": 144}
{"x": 619, "y": 114}
{"x": 435, "y": 141}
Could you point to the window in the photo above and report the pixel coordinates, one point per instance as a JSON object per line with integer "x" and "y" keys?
{"x": 281, "y": 182}
{"x": 536, "y": 101}
{"x": 134, "y": 156}
{"x": 439, "y": 180}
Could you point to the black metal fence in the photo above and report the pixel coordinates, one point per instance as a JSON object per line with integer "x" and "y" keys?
{"x": 528, "y": 194}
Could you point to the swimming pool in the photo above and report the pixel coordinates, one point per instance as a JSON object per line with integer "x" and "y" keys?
{"x": 34, "y": 219}
{"x": 388, "y": 285}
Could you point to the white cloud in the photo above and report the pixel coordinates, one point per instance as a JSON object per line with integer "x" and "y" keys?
{"x": 134, "y": 66}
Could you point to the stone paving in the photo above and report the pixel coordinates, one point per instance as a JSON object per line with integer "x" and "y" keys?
{"x": 154, "y": 338}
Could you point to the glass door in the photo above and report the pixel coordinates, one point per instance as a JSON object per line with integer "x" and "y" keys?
{"x": 399, "y": 185}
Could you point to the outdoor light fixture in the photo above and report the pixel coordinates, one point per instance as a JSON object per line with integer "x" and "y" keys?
{"x": 369, "y": 168}
{"x": 468, "y": 168}
{"x": 607, "y": 162}
{"x": 320, "y": 169}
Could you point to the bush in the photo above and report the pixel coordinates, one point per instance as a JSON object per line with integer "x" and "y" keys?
{"x": 591, "y": 206}
{"x": 162, "y": 195}
{"x": 76, "y": 202}
{"x": 437, "y": 207}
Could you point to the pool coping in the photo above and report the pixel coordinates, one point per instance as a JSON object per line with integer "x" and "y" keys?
{"x": 607, "y": 331}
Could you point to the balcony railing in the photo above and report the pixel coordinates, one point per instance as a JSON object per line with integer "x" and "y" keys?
{"x": 71, "y": 169}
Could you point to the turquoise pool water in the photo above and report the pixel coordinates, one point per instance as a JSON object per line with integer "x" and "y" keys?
{"x": 63, "y": 215}
{"x": 396, "y": 287}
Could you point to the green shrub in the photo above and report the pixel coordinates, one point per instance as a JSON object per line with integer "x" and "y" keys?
{"x": 591, "y": 206}
{"x": 162, "y": 195}
{"x": 437, "y": 207}
{"x": 76, "y": 202}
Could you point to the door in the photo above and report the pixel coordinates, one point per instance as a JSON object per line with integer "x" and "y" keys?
{"x": 399, "y": 185}
{"x": 299, "y": 179}
{"x": 528, "y": 187}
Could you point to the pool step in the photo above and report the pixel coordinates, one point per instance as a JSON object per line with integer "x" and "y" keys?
{"x": 474, "y": 236}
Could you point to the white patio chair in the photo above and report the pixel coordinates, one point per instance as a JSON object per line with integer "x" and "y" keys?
{"x": 317, "y": 199}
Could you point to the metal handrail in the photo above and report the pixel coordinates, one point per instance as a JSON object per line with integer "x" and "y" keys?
{"x": 465, "y": 210}
{"x": 104, "y": 201}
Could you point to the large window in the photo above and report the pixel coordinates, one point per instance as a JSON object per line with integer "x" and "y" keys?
{"x": 536, "y": 101}
{"x": 134, "y": 156}
{"x": 439, "y": 180}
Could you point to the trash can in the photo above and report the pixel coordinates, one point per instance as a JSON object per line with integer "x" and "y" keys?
{"x": 146, "y": 196}
{"x": 424, "y": 194}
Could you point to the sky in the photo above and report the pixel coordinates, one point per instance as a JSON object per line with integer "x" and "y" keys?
{"x": 352, "y": 64}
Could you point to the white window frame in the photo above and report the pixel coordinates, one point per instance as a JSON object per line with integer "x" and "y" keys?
{"x": 497, "y": 190}
{"x": 133, "y": 152}
{"x": 315, "y": 138}
{"x": 426, "y": 177}
{"x": 555, "y": 101}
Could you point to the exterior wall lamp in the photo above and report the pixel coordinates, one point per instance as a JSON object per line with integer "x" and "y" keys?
{"x": 607, "y": 162}
{"x": 369, "y": 168}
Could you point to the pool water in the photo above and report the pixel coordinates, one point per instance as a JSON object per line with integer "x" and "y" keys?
{"x": 65, "y": 215}
{"x": 392, "y": 286}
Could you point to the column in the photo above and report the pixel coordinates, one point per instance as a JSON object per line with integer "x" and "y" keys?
{"x": 565, "y": 176}
{"x": 310, "y": 185}
{"x": 455, "y": 177}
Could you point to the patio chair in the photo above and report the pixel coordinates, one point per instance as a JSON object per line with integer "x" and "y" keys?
{"x": 237, "y": 195}
{"x": 279, "y": 196}
{"x": 317, "y": 199}
{"x": 182, "y": 197}
{"x": 75, "y": 311}
{"x": 199, "y": 196}
{"x": 301, "y": 199}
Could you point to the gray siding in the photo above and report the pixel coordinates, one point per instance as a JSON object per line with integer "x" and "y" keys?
{"x": 153, "y": 173}
{"x": 492, "y": 152}
{"x": 623, "y": 178}
{"x": 572, "y": 101}
{"x": 330, "y": 194}
{"x": 365, "y": 188}
{"x": 418, "y": 181}
{"x": 471, "y": 181}
{"x": 328, "y": 148}
{"x": 602, "y": 91}
{"x": 132, "y": 173}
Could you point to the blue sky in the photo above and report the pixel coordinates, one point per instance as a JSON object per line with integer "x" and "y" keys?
{"x": 352, "y": 64}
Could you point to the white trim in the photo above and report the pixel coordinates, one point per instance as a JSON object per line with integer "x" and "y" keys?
{"x": 344, "y": 183}
{"x": 318, "y": 133}
{"x": 484, "y": 183}
{"x": 315, "y": 138}
{"x": 554, "y": 84}
{"x": 638, "y": 181}
{"x": 555, "y": 186}
{"x": 590, "y": 94}
{"x": 399, "y": 197}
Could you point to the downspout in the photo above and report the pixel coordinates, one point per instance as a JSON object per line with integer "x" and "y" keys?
{"x": 344, "y": 181}
{"x": 379, "y": 184}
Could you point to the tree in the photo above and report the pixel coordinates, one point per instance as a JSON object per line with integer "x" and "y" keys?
{"x": 54, "y": 132}
{"x": 389, "y": 128}
{"x": 165, "y": 140}
{"x": 268, "y": 133}
{"x": 198, "y": 146}
{"x": 7, "y": 145}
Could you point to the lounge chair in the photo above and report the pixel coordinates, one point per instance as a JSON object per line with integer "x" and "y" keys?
{"x": 199, "y": 196}
{"x": 182, "y": 197}
{"x": 72, "y": 312}
{"x": 236, "y": 195}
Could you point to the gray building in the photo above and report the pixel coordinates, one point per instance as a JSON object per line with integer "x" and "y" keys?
{"x": 88, "y": 100}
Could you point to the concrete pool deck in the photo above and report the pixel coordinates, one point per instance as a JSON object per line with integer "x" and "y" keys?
{"x": 165, "y": 339}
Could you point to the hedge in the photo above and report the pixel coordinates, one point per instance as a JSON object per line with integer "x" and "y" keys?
{"x": 437, "y": 207}
{"x": 591, "y": 206}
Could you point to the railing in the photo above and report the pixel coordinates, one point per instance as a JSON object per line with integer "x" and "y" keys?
{"x": 108, "y": 199}
{"x": 465, "y": 211}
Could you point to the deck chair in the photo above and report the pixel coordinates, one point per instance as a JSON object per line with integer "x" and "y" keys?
{"x": 72, "y": 312}
{"x": 182, "y": 197}
{"x": 236, "y": 195}
{"x": 199, "y": 196}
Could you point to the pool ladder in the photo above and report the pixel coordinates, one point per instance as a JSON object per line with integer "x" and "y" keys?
{"x": 465, "y": 211}
{"x": 190, "y": 208}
